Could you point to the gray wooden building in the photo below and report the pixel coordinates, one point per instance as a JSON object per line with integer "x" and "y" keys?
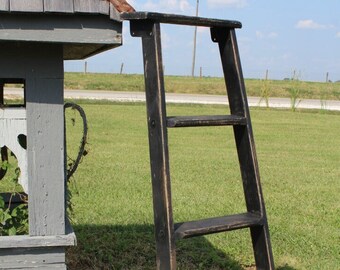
{"x": 35, "y": 37}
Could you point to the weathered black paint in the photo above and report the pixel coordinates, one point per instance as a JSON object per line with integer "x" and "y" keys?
{"x": 147, "y": 26}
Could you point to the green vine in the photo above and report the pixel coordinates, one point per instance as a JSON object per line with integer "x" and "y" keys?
{"x": 13, "y": 220}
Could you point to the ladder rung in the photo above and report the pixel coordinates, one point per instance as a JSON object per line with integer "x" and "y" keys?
{"x": 215, "y": 225}
{"x": 198, "y": 121}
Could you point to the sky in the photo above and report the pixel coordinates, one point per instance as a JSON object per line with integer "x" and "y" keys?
{"x": 286, "y": 37}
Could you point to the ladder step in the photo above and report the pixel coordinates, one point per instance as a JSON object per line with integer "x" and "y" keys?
{"x": 216, "y": 225}
{"x": 211, "y": 120}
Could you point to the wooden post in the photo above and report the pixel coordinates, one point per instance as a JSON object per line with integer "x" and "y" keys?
{"x": 2, "y": 94}
{"x": 245, "y": 143}
{"x": 85, "y": 67}
{"x": 41, "y": 66}
{"x": 327, "y": 80}
{"x": 121, "y": 68}
{"x": 158, "y": 142}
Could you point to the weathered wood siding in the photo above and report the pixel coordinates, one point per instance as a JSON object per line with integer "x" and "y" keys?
{"x": 92, "y": 6}
{"x": 58, "y": 6}
{"x": 4, "y": 5}
{"x": 81, "y": 34}
{"x": 62, "y": 6}
{"x": 26, "y": 6}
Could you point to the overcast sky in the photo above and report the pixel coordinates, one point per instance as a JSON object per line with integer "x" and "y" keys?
{"x": 278, "y": 36}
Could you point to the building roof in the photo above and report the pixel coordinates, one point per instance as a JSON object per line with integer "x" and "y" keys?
{"x": 84, "y": 27}
{"x": 60, "y": 6}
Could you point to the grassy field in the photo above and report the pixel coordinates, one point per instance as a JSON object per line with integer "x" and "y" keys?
{"x": 299, "y": 158}
{"x": 205, "y": 85}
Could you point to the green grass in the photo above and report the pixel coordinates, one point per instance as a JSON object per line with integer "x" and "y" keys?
{"x": 299, "y": 158}
{"x": 205, "y": 85}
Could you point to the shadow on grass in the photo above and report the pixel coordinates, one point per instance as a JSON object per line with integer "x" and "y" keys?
{"x": 285, "y": 267}
{"x": 133, "y": 247}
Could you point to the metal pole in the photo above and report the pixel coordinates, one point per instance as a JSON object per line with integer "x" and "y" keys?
{"x": 194, "y": 52}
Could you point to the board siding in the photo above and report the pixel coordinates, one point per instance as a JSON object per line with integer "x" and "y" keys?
{"x": 58, "y": 6}
{"x": 27, "y": 6}
{"x": 4, "y": 5}
{"x": 104, "y": 7}
{"x": 86, "y": 6}
{"x": 114, "y": 14}
{"x": 81, "y": 34}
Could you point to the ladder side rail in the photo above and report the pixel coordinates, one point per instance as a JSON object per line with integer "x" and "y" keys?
{"x": 244, "y": 139}
{"x": 239, "y": 106}
{"x": 158, "y": 141}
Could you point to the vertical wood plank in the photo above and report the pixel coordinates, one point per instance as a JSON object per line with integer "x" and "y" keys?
{"x": 58, "y": 6}
{"x": 244, "y": 139}
{"x": 45, "y": 140}
{"x": 158, "y": 142}
{"x": 25, "y": 5}
{"x": 104, "y": 7}
{"x": 86, "y": 6}
{"x": 4, "y": 5}
{"x": 114, "y": 14}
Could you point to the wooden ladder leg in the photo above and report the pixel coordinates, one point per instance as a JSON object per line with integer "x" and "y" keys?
{"x": 238, "y": 103}
{"x": 158, "y": 141}
{"x": 2, "y": 94}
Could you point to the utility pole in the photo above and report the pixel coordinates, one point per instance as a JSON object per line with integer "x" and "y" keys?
{"x": 121, "y": 68}
{"x": 194, "y": 51}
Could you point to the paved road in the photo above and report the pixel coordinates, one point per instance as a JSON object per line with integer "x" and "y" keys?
{"x": 189, "y": 98}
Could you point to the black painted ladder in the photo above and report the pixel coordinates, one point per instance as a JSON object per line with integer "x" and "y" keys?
{"x": 147, "y": 26}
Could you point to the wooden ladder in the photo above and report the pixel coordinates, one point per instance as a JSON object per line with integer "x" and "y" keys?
{"x": 147, "y": 26}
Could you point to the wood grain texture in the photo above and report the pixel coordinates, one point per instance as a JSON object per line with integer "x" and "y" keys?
{"x": 216, "y": 225}
{"x": 26, "y": 241}
{"x": 202, "y": 120}
{"x": 158, "y": 145}
{"x": 244, "y": 139}
{"x": 32, "y": 258}
{"x": 4, "y": 5}
{"x": 86, "y": 6}
{"x": 104, "y": 7}
{"x": 65, "y": 6}
{"x": 114, "y": 14}
{"x": 27, "y": 6}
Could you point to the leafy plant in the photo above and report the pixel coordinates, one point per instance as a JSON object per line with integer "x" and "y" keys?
{"x": 13, "y": 220}
{"x": 265, "y": 91}
{"x": 294, "y": 92}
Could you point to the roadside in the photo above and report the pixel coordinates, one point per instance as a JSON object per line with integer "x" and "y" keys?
{"x": 188, "y": 98}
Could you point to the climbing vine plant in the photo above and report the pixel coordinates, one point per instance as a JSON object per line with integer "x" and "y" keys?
{"x": 13, "y": 216}
{"x": 13, "y": 219}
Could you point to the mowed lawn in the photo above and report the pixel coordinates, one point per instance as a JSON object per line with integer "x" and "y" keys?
{"x": 299, "y": 159}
